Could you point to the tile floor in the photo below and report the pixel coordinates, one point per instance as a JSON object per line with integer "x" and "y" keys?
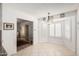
{"x": 45, "y": 49}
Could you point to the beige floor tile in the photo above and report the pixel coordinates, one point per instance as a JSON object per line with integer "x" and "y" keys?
{"x": 45, "y": 49}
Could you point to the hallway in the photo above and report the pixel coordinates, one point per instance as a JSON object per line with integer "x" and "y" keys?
{"x": 45, "y": 49}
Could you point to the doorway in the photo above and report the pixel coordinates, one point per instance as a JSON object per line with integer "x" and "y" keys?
{"x": 24, "y": 33}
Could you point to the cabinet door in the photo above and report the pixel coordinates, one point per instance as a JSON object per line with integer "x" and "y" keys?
{"x": 67, "y": 29}
{"x": 43, "y": 32}
{"x": 58, "y": 32}
{"x": 51, "y": 29}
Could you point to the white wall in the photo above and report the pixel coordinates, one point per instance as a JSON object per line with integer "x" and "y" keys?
{"x": 10, "y": 15}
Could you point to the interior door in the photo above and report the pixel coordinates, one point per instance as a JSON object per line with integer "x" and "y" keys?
{"x": 43, "y": 31}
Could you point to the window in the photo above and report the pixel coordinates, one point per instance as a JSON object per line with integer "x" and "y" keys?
{"x": 55, "y": 29}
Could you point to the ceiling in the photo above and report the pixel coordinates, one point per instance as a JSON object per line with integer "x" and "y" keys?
{"x": 41, "y": 9}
